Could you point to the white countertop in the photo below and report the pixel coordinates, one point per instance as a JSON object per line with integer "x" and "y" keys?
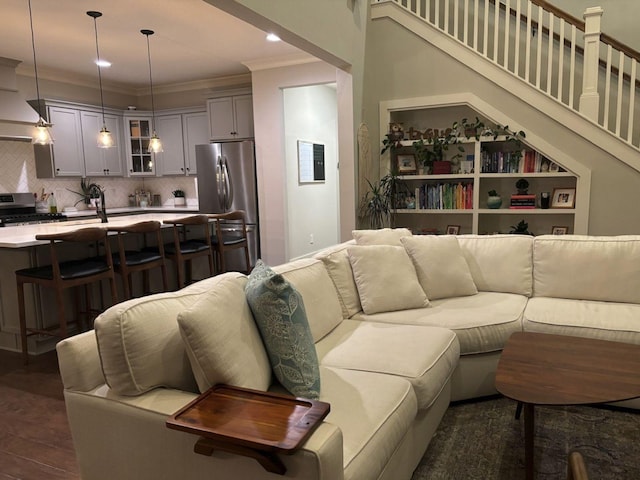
{"x": 24, "y": 235}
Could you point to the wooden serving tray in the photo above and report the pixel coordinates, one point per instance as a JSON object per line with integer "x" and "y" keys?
{"x": 249, "y": 422}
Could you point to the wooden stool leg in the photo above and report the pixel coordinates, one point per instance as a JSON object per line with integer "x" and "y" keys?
{"x": 23, "y": 323}
{"x": 246, "y": 257}
{"x": 64, "y": 333}
{"x": 165, "y": 283}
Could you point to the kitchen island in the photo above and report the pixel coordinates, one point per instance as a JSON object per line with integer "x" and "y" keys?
{"x": 20, "y": 249}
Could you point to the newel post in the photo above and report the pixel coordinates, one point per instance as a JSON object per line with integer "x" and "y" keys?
{"x": 590, "y": 100}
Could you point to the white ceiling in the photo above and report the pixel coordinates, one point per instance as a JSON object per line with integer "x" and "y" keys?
{"x": 193, "y": 40}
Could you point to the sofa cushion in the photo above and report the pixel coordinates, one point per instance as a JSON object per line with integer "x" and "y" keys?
{"x": 312, "y": 281}
{"x": 139, "y": 341}
{"x": 500, "y": 263}
{"x": 386, "y": 278}
{"x": 587, "y": 268}
{"x": 382, "y": 236}
{"x": 336, "y": 261}
{"x": 279, "y": 311}
{"x": 482, "y": 322}
{"x": 425, "y": 356}
{"x": 218, "y": 330}
{"x": 442, "y": 269}
{"x": 374, "y": 413}
{"x": 617, "y": 322}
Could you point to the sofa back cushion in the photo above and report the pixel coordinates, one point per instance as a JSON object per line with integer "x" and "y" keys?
{"x": 310, "y": 278}
{"x": 140, "y": 345}
{"x": 500, "y": 263}
{"x": 382, "y": 236}
{"x": 386, "y": 279}
{"x": 442, "y": 269}
{"x": 336, "y": 261}
{"x": 222, "y": 341}
{"x": 587, "y": 267}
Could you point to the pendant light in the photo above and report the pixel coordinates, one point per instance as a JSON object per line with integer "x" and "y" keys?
{"x": 155, "y": 146}
{"x": 105, "y": 139}
{"x": 42, "y": 134}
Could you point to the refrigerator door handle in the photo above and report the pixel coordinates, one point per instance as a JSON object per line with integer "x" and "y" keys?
{"x": 220, "y": 180}
{"x": 228, "y": 186}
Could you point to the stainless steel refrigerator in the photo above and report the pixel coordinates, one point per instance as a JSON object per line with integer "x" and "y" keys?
{"x": 226, "y": 182}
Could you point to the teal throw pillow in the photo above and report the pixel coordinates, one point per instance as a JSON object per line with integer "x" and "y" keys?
{"x": 279, "y": 312}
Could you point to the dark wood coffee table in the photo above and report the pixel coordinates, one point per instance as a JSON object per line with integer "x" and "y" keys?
{"x": 544, "y": 369}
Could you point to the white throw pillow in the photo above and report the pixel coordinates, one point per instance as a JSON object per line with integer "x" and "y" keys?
{"x": 385, "y": 278}
{"x": 222, "y": 340}
{"x": 383, "y": 236}
{"x": 442, "y": 269}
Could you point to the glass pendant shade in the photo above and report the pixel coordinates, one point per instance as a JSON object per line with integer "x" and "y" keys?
{"x": 105, "y": 139}
{"x": 41, "y": 133}
{"x": 155, "y": 145}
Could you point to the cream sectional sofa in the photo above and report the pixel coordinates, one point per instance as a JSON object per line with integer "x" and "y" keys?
{"x": 388, "y": 372}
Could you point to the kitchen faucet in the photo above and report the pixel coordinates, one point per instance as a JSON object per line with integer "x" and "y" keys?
{"x": 101, "y": 208}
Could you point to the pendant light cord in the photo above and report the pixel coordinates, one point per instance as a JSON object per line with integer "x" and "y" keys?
{"x": 35, "y": 63}
{"x": 153, "y": 110}
{"x": 95, "y": 27}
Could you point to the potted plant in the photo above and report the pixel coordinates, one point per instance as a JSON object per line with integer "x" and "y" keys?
{"x": 88, "y": 191}
{"x": 472, "y": 129}
{"x": 494, "y": 200}
{"x": 431, "y": 151}
{"x": 178, "y": 199}
{"x": 522, "y": 228}
{"x": 380, "y": 201}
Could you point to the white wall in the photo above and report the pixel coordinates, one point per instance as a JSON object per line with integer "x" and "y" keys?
{"x": 268, "y": 115}
{"x": 310, "y": 114}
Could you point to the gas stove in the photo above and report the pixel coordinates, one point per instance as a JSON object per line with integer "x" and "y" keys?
{"x": 20, "y": 209}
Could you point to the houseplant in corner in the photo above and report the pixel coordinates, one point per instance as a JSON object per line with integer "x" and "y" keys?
{"x": 178, "y": 199}
{"x": 494, "y": 200}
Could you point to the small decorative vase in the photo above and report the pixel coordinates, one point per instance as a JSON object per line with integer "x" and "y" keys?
{"x": 494, "y": 202}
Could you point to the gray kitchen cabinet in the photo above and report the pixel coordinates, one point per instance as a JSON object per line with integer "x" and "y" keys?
{"x": 101, "y": 162}
{"x": 65, "y": 157}
{"x": 137, "y": 134}
{"x": 195, "y": 128}
{"x": 171, "y": 160}
{"x": 230, "y": 118}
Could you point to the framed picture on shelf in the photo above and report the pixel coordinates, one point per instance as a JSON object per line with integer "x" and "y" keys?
{"x": 406, "y": 163}
{"x": 559, "y": 230}
{"x": 563, "y": 198}
{"x": 453, "y": 229}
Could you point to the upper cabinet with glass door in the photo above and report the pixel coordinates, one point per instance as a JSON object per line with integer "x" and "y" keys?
{"x": 138, "y": 132}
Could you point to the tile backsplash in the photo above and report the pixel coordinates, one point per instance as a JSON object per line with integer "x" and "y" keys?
{"x": 17, "y": 164}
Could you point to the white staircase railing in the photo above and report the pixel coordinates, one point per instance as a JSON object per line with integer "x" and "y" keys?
{"x": 570, "y": 60}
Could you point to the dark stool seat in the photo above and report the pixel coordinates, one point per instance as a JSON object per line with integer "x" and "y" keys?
{"x": 61, "y": 275}
{"x": 143, "y": 259}
{"x": 183, "y": 249}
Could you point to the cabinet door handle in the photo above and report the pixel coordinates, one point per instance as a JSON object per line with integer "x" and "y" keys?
{"x": 182, "y": 169}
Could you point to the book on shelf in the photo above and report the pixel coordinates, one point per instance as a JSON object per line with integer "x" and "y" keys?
{"x": 522, "y": 207}
{"x": 525, "y": 161}
{"x": 445, "y": 196}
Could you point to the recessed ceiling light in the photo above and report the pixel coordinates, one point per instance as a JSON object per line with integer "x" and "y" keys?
{"x": 272, "y": 37}
{"x": 103, "y": 63}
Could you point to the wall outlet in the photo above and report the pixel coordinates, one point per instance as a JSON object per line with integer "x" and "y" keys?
{"x": 311, "y": 239}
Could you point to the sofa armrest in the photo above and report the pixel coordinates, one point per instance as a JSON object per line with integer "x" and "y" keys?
{"x": 79, "y": 362}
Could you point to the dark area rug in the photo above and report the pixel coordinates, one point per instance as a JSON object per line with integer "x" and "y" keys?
{"x": 482, "y": 440}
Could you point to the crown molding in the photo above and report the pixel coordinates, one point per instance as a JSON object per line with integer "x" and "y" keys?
{"x": 240, "y": 80}
{"x": 278, "y": 62}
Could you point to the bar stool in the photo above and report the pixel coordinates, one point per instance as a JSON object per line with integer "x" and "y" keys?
{"x": 231, "y": 234}
{"x": 126, "y": 262}
{"x": 63, "y": 275}
{"x": 183, "y": 250}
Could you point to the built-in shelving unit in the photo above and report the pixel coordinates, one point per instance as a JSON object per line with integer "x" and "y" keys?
{"x": 477, "y": 217}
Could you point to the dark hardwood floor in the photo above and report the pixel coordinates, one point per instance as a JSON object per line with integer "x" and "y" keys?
{"x": 35, "y": 440}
